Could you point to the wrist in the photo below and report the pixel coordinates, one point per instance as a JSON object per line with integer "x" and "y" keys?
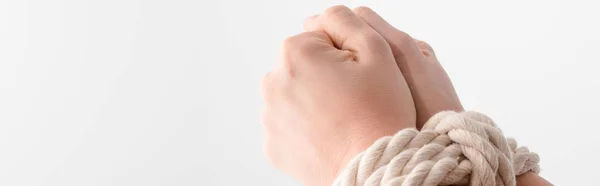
{"x": 364, "y": 135}
{"x": 531, "y": 179}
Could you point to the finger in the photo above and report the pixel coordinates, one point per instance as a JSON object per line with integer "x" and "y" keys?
{"x": 311, "y": 23}
{"x": 349, "y": 32}
{"x": 300, "y": 53}
{"x": 309, "y": 47}
{"x": 400, "y": 42}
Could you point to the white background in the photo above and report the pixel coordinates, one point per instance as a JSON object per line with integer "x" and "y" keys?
{"x": 148, "y": 92}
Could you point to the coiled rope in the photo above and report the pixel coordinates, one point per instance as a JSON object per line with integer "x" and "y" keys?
{"x": 452, "y": 149}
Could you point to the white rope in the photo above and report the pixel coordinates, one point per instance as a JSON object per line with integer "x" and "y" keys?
{"x": 452, "y": 149}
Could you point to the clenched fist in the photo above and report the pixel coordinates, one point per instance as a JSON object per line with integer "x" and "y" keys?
{"x": 336, "y": 91}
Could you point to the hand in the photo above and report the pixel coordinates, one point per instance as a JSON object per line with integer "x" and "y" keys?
{"x": 336, "y": 91}
{"x": 431, "y": 88}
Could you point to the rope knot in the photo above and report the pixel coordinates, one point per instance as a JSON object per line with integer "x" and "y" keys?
{"x": 452, "y": 149}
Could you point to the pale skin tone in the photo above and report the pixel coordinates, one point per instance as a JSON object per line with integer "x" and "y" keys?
{"x": 348, "y": 80}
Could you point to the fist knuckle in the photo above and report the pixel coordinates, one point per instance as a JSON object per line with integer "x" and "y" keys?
{"x": 267, "y": 130}
{"x": 310, "y": 23}
{"x": 303, "y": 48}
{"x": 423, "y": 44}
{"x": 297, "y": 49}
{"x": 265, "y": 83}
{"x": 290, "y": 43}
{"x": 285, "y": 71}
{"x": 402, "y": 36}
{"x": 371, "y": 37}
{"x": 363, "y": 11}
{"x": 290, "y": 49}
{"x": 401, "y": 39}
{"x": 297, "y": 43}
{"x": 336, "y": 11}
{"x": 373, "y": 40}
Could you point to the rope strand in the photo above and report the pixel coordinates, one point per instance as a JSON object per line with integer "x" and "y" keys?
{"x": 453, "y": 148}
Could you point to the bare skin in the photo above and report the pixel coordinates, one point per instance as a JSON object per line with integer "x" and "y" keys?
{"x": 335, "y": 94}
{"x": 336, "y": 91}
{"x": 431, "y": 88}
{"x": 429, "y": 83}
